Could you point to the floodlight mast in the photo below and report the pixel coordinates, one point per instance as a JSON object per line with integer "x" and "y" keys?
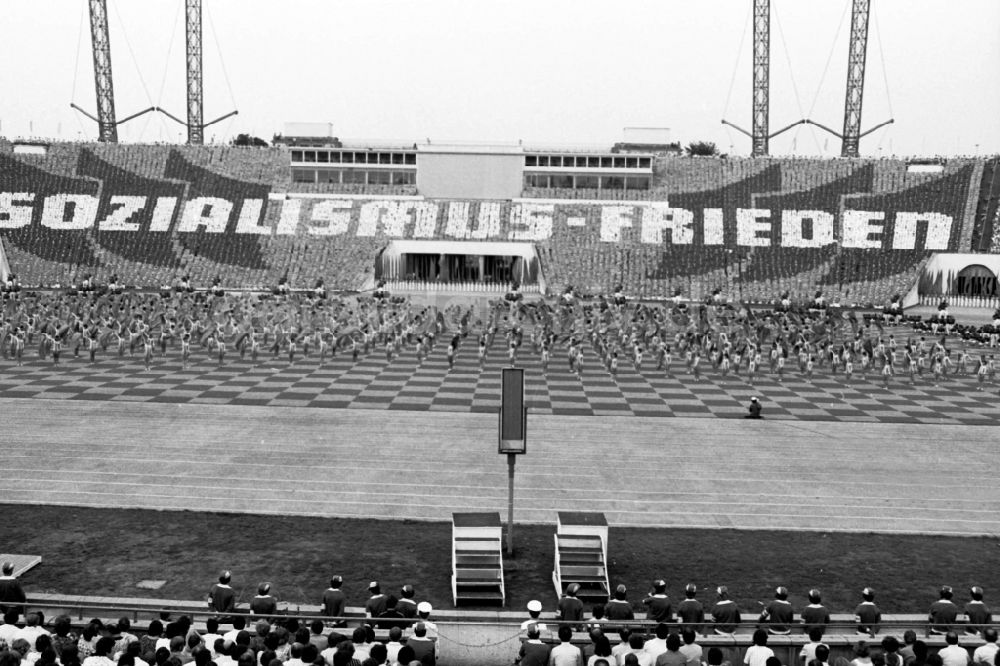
{"x": 761, "y": 75}
{"x": 760, "y": 136}
{"x": 856, "y": 57}
{"x": 107, "y": 128}
{"x": 850, "y": 139}
{"x": 107, "y": 124}
{"x": 195, "y": 98}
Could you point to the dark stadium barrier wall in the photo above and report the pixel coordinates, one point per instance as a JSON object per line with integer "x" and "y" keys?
{"x": 150, "y": 213}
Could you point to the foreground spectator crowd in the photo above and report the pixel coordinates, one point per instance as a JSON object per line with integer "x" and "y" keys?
{"x": 397, "y": 631}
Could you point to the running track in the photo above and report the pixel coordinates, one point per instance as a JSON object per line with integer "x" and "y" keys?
{"x": 691, "y": 472}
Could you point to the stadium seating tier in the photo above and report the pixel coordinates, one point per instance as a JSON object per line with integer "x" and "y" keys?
{"x": 233, "y": 213}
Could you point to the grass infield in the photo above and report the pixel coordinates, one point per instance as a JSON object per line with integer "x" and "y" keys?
{"x": 105, "y": 552}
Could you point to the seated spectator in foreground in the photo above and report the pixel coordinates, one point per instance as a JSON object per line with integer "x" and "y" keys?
{"x": 862, "y": 655}
{"x": 421, "y": 643}
{"x": 636, "y": 649}
{"x": 359, "y": 639}
{"x": 121, "y": 634}
{"x": 239, "y": 624}
{"x": 690, "y": 611}
{"x": 376, "y": 603}
{"x": 102, "y": 652}
{"x": 8, "y": 628}
{"x": 565, "y": 654}
{"x": 42, "y": 643}
{"x": 778, "y": 614}
{"x": 619, "y": 650}
{"x": 890, "y": 651}
{"x": 691, "y": 649}
{"x": 808, "y": 651}
{"x": 332, "y": 641}
{"x": 534, "y": 612}
{"x": 988, "y": 653}
{"x": 822, "y": 656}
{"x": 405, "y": 657}
{"x": 424, "y": 610}
{"x": 602, "y": 651}
{"x": 147, "y": 642}
{"x": 395, "y": 642}
{"x": 597, "y": 619}
{"x": 867, "y": 614}
{"x": 317, "y": 634}
{"x": 133, "y": 650}
{"x": 977, "y": 614}
{"x": 953, "y": 654}
{"x": 12, "y": 596}
{"x": 659, "y": 608}
{"x": 658, "y": 645}
{"x": 391, "y": 617}
{"x": 221, "y": 597}
{"x": 87, "y": 643}
{"x": 264, "y": 603}
{"x": 533, "y": 652}
{"x": 673, "y": 656}
{"x": 758, "y": 653}
{"x": 943, "y": 612}
{"x": 725, "y": 613}
{"x": 906, "y": 651}
{"x": 715, "y": 657}
{"x": 296, "y": 655}
{"x": 815, "y": 615}
{"x": 32, "y": 628}
{"x": 62, "y": 636}
{"x": 570, "y": 608}
{"x": 406, "y": 605}
{"x": 334, "y": 601}
{"x": 178, "y": 650}
{"x": 377, "y": 656}
{"x": 619, "y": 608}
{"x": 20, "y": 649}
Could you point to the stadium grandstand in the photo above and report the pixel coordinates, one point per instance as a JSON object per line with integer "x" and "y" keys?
{"x": 466, "y": 217}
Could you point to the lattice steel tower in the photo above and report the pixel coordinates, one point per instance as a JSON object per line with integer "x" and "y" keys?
{"x": 195, "y": 100}
{"x": 761, "y": 74}
{"x": 103, "y": 83}
{"x": 855, "y": 78}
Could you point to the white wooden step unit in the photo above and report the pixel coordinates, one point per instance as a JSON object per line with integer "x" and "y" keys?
{"x": 582, "y": 554}
{"x": 477, "y": 558}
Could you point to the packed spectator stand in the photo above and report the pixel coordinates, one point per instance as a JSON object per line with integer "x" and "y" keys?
{"x": 153, "y": 252}
{"x": 713, "y": 627}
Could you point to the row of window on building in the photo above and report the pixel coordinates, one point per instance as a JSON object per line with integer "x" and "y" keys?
{"x": 354, "y": 176}
{"x": 327, "y": 156}
{"x": 589, "y": 161}
{"x": 586, "y": 181}
{"x": 390, "y": 177}
{"x": 409, "y": 158}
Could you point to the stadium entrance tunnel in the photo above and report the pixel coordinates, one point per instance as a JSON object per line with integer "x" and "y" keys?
{"x": 459, "y": 262}
{"x": 976, "y": 280}
{"x": 967, "y": 275}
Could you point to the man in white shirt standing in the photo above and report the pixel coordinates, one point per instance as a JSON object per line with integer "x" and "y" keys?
{"x": 987, "y": 653}
{"x": 394, "y": 644}
{"x": 565, "y": 654}
{"x": 31, "y": 630}
{"x": 9, "y": 627}
{"x": 654, "y": 647}
{"x": 953, "y": 654}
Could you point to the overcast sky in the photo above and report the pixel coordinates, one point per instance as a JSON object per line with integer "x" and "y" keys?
{"x": 542, "y": 71}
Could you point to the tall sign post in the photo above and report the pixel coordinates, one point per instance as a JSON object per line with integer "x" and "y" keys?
{"x": 512, "y": 435}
